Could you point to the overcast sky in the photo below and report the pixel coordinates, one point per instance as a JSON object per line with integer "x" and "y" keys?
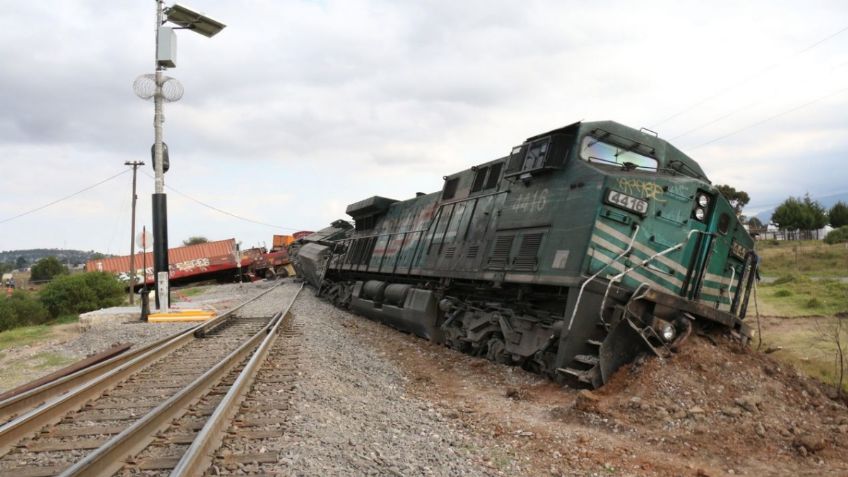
{"x": 299, "y": 108}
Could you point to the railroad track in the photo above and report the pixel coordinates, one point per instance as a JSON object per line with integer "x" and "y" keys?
{"x": 144, "y": 413}
{"x": 17, "y": 405}
{"x": 246, "y": 435}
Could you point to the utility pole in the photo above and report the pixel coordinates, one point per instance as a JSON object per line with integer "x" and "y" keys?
{"x": 165, "y": 57}
{"x": 134, "y": 165}
{"x": 160, "y": 208}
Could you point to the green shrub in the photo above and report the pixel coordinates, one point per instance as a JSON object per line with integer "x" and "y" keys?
{"x": 47, "y": 268}
{"x": 74, "y": 294}
{"x": 839, "y": 235}
{"x": 21, "y": 309}
{"x": 813, "y": 303}
{"x": 782, "y": 293}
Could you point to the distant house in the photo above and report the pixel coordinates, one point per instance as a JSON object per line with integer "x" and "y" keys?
{"x": 772, "y": 232}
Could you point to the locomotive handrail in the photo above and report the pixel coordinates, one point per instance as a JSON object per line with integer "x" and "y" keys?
{"x": 730, "y": 282}
{"x": 583, "y": 286}
{"x": 645, "y": 262}
{"x": 466, "y": 199}
{"x": 383, "y": 235}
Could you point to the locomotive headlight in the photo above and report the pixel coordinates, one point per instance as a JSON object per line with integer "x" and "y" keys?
{"x": 703, "y": 200}
{"x": 700, "y": 214}
{"x": 667, "y": 332}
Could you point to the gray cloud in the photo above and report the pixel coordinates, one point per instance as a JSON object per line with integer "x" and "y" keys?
{"x": 332, "y": 101}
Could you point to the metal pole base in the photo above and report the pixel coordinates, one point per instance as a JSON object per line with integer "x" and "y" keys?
{"x": 160, "y": 244}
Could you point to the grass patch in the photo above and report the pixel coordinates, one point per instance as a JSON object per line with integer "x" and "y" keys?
{"x": 808, "y": 345}
{"x": 192, "y": 291}
{"x": 806, "y": 257}
{"x": 27, "y": 335}
{"x": 801, "y": 297}
{"x": 23, "y": 336}
{"x": 50, "y": 359}
{"x": 65, "y": 320}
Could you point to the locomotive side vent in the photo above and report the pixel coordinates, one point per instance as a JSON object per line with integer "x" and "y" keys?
{"x": 450, "y": 251}
{"x": 472, "y": 251}
{"x": 526, "y": 260}
{"x": 500, "y": 254}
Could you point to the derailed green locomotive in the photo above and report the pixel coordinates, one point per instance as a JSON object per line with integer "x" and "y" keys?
{"x": 584, "y": 247}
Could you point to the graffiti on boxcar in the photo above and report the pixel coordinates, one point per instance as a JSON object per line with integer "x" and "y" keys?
{"x": 192, "y": 264}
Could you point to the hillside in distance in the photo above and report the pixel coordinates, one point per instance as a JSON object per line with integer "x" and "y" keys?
{"x": 66, "y": 256}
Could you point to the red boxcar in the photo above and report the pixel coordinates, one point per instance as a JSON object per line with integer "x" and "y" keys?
{"x": 183, "y": 262}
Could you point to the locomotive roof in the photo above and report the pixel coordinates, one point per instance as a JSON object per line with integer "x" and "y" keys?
{"x": 669, "y": 156}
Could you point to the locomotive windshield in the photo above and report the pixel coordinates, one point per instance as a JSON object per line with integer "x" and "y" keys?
{"x": 597, "y": 151}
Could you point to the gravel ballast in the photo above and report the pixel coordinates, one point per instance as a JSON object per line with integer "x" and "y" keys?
{"x": 221, "y": 297}
{"x": 351, "y": 416}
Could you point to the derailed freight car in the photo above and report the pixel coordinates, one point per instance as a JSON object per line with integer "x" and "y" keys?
{"x": 183, "y": 262}
{"x": 218, "y": 259}
{"x": 582, "y": 248}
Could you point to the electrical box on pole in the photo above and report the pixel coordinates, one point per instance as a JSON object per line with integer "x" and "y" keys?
{"x": 166, "y": 49}
{"x": 166, "y": 160}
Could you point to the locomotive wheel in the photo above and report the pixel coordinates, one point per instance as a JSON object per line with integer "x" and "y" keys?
{"x": 344, "y": 295}
{"x": 495, "y": 350}
{"x": 453, "y": 339}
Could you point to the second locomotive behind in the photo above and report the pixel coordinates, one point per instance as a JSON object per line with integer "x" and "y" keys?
{"x": 582, "y": 248}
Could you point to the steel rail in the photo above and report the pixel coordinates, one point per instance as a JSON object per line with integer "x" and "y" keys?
{"x": 110, "y": 457}
{"x": 87, "y": 384}
{"x": 199, "y": 455}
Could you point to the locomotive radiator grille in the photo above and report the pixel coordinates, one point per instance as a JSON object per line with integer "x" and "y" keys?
{"x": 500, "y": 253}
{"x": 528, "y": 252}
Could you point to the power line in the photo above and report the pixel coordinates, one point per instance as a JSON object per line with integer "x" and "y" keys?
{"x": 63, "y": 198}
{"x": 733, "y": 112}
{"x": 748, "y": 78}
{"x": 720, "y": 118}
{"x": 775, "y": 116}
{"x": 216, "y": 209}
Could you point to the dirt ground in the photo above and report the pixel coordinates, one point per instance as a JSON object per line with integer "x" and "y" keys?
{"x": 714, "y": 409}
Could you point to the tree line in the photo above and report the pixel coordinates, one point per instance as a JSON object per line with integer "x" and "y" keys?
{"x": 801, "y": 216}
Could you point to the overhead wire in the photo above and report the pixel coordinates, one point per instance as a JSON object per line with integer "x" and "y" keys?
{"x": 222, "y": 211}
{"x": 748, "y": 78}
{"x": 9, "y": 219}
{"x": 733, "y": 112}
{"x": 720, "y": 118}
{"x": 123, "y": 210}
{"x": 772, "y": 117}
